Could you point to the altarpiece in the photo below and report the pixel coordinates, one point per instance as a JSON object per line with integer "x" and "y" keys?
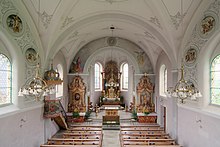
{"x": 77, "y": 91}
{"x": 145, "y": 94}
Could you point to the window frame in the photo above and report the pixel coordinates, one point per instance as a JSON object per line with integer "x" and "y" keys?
{"x": 210, "y": 83}
{"x": 10, "y": 99}
{"x": 163, "y": 80}
{"x": 99, "y": 88}
{"x": 123, "y": 87}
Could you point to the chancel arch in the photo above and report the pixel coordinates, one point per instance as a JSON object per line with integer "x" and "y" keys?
{"x": 132, "y": 55}
{"x": 104, "y": 56}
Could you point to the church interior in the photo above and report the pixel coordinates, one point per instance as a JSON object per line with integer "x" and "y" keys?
{"x": 109, "y": 73}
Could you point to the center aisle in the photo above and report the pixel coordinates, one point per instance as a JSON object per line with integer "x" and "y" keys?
{"x": 111, "y": 138}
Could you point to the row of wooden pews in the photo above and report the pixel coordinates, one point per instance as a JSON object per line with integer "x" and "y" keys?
{"x": 78, "y": 136}
{"x": 146, "y": 135}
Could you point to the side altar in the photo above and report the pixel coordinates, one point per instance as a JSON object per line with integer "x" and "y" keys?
{"x": 146, "y": 107}
{"x": 76, "y": 103}
{"x": 111, "y": 85}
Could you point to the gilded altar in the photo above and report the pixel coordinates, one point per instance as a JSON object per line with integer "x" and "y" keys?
{"x": 111, "y": 82}
{"x": 77, "y": 91}
{"x": 111, "y": 117}
{"x": 145, "y": 91}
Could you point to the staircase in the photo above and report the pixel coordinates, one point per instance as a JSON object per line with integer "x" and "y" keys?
{"x": 61, "y": 120}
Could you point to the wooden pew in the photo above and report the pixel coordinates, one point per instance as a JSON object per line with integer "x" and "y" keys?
{"x": 144, "y": 132}
{"x": 71, "y": 135}
{"x": 149, "y": 141}
{"x": 143, "y": 125}
{"x": 151, "y": 146}
{"x": 83, "y": 136}
{"x": 144, "y": 137}
{"x": 83, "y": 132}
{"x": 91, "y": 126}
{"x": 72, "y": 140}
{"x": 50, "y": 145}
{"x": 62, "y": 141}
{"x": 142, "y": 128}
{"x": 85, "y": 128}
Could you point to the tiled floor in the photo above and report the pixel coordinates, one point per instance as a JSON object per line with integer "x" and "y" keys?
{"x": 111, "y": 138}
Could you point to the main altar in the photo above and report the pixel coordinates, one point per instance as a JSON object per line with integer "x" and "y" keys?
{"x": 111, "y": 84}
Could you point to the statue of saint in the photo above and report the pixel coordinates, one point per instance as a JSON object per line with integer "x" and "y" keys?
{"x": 111, "y": 91}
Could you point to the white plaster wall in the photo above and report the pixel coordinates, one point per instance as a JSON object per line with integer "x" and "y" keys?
{"x": 197, "y": 128}
{"x": 24, "y": 128}
{"x": 198, "y": 124}
{"x": 60, "y": 59}
{"x": 168, "y": 102}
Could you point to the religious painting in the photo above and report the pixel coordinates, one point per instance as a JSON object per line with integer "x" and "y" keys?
{"x": 14, "y": 23}
{"x": 143, "y": 60}
{"x": 140, "y": 57}
{"x": 207, "y": 24}
{"x": 31, "y": 56}
{"x": 76, "y": 66}
{"x": 190, "y": 55}
{"x": 77, "y": 96}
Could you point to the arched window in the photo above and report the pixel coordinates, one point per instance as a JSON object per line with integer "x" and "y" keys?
{"x": 124, "y": 80}
{"x": 5, "y": 80}
{"x": 59, "y": 88}
{"x": 215, "y": 81}
{"x": 163, "y": 80}
{"x": 98, "y": 77}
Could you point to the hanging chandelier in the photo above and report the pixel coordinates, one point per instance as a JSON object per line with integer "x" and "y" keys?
{"x": 184, "y": 89}
{"x": 36, "y": 86}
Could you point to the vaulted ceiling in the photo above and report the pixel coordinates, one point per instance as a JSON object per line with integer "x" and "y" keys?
{"x": 154, "y": 25}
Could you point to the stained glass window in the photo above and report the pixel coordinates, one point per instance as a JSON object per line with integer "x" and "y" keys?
{"x": 5, "y": 80}
{"x": 125, "y": 76}
{"x": 215, "y": 81}
{"x": 98, "y": 80}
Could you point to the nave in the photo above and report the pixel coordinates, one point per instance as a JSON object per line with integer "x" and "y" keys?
{"x": 110, "y": 52}
{"x": 92, "y": 133}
